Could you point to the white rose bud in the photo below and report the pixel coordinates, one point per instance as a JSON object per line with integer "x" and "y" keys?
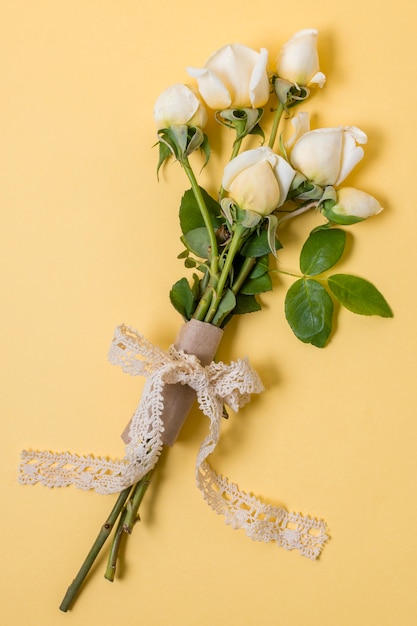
{"x": 327, "y": 155}
{"x": 352, "y": 205}
{"x": 298, "y": 60}
{"x": 258, "y": 180}
{"x": 234, "y": 77}
{"x": 179, "y": 104}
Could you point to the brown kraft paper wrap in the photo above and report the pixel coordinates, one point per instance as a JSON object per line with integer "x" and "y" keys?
{"x": 202, "y": 340}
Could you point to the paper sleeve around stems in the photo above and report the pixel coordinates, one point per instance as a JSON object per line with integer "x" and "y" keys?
{"x": 202, "y": 340}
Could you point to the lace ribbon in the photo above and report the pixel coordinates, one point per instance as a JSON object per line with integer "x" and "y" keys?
{"x": 215, "y": 385}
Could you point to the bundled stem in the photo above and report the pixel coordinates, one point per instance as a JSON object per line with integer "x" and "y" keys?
{"x": 128, "y": 518}
{"x": 95, "y": 549}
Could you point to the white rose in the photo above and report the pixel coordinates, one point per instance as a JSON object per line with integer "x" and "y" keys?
{"x": 298, "y": 60}
{"x": 179, "y": 104}
{"x": 234, "y": 77}
{"x": 258, "y": 180}
{"x": 353, "y": 205}
{"x": 327, "y": 155}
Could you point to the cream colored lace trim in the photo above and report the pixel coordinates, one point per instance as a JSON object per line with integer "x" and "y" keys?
{"x": 215, "y": 385}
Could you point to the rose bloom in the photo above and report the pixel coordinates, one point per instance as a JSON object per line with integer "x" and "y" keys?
{"x": 179, "y": 104}
{"x": 258, "y": 180}
{"x": 353, "y": 205}
{"x": 327, "y": 155}
{"x": 298, "y": 60}
{"x": 234, "y": 77}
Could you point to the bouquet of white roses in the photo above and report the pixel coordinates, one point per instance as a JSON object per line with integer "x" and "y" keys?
{"x": 230, "y": 242}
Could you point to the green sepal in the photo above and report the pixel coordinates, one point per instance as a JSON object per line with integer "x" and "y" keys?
{"x": 271, "y": 232}
{"x": 165, "y": 152}
{"x": 359, "y": 295}
{"x": 257, "y": 130}
{"x": 205, "y": 149}
{"x": 249, "y": 219}
{"x": 309, "y": 311}
{"x": 180, "y": 140}
{"x": 244, "y": 121}
{"x": 327, "y": 202}
{"x": 289, "y": 94}
{"x": 338, "y": 218}
{"x": 322, "y": 250}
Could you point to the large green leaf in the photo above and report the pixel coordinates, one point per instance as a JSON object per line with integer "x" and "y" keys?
{"x": 246, "y": 304}
{"x": 309, "y": 311}
{"x": 322, "y": 250}
{"x": 260, "y": 284}
{"x": 359, "y": 295}
{"x": 190, "y": 215}
{"x": 197, "y": 241}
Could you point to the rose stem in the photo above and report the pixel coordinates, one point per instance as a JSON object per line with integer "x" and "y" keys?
{"x": 126, "y": 522}
{"x": 95, "y": 549}
{"x": 277, "y": 118}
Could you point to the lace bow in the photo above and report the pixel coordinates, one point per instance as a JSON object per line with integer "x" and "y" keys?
{"x": 215, "y": 385}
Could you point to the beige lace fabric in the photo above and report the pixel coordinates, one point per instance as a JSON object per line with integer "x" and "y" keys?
{"x": 216, "y": 384}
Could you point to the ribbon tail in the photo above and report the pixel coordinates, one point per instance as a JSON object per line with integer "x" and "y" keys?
{"x": 103, "y": 475}
{"x": 260, "y": 521}
{"x": 62, "y": 469}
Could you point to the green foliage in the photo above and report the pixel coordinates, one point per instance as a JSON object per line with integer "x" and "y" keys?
{"x": 226, "y": 306}
{"x": 197, "y": 241}
{"x": 322, "y": 250}
{"x": 359, "y": 295}
{"x": 246, "y": 304}
{"x": 258, "y": 245}
{"x": 309, "y": 311}
{"x": 309, "y": 304}
{"x": 256, "y": 285}
{"x": 190, "y": 214}
{"x": 183, "y": 298}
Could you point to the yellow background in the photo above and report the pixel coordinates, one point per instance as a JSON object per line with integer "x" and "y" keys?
{"x": 89, "y": 239}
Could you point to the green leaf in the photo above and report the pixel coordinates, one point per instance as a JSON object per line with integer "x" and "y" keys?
{"x": 322, "y": 250}
{"x": 197, "y": 241}
{"x": 261, "y": 267}
{"x": 227, "y": 304}
{"x": 258, "y": 245}
{"x": 251, "y": 286}
{"x": 190, "y": 215}
{"x": 309, "y": 311}
{"x": 246, "y": 304}
{"x": 359, "y": 295}
{"x": 182, "y": 298}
